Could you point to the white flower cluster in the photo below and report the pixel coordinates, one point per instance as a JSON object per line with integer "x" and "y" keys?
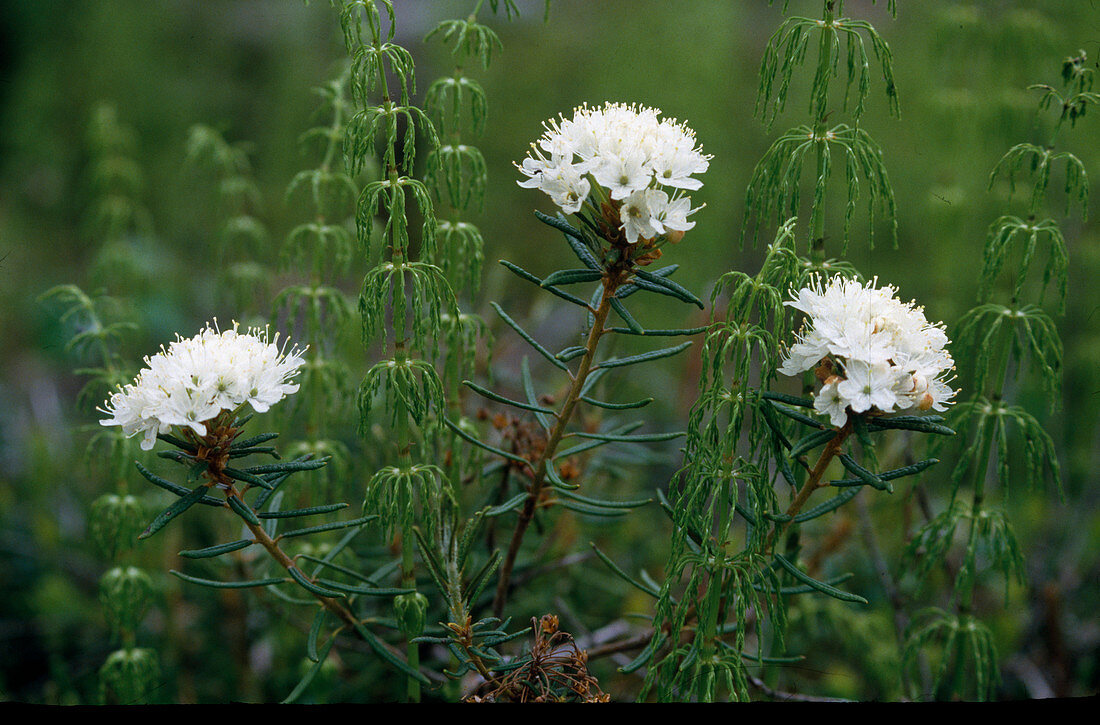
{"x": 884, "y": 354}
{"x": 628, "y": 152}
{"x": 196, "y": 379}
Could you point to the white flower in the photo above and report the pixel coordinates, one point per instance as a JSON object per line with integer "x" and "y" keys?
{"x": 674, "y": 215}
{"x": 630, "y": 154}
{"x": 869, "y": 385}
{"x": 195, "y": 379}
{"x": 637, "y": 214}
{"x": 887, "y": 356}
{"x": 831, "y": 403}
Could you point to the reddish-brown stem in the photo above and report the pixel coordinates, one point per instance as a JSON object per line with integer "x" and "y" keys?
{"x": 331, "y": 604}
{"x": 832, "y": 448}
{"x": 611, "y": 285}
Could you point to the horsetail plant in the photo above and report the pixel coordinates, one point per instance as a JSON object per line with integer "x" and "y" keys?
{"x": 316, "y": 309}
{"x": 243, "y": 237}
{"x": 129, "y": 674}
{"x": 775, "y": 188}
{"x": 413, "y": 294}
{"x": 1006, "y": 339}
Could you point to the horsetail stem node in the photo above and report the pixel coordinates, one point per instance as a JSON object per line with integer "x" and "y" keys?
{"x": 871, "y": 351}
{"x": 194, "y": 381}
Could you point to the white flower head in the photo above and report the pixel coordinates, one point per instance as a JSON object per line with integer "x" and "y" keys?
{"x": 641, "y": 163}
{"x": 195, "y": 379}
{"x": 886, "y": 356}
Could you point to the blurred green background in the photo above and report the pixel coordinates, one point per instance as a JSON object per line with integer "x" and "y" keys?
{"x": 246, "y": 67}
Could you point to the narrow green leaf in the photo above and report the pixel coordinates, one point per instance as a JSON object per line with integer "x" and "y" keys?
{"x": 510, "y": 505}
{"x": 629, "y": 504}
{"x": 789, "y": 399}
{"x": 661, "y": 285}
{"x": 431, "y": 560}
{"x": 195, "y": 472}
{"x": 683, "y": 332}
{"x": 527, "y": 338}
{"x": 640, "y": 438}
{"x": 366, "y": 590}
{"x": 217, "y": 550}
{"x": 529, "y": 391}
{"x": 582, "y": 447}
{"x": 795, "y": 415}
{"x": 258, "y": 450}
{"x": 384, "y": 652}
{"x": 645, "y": 356}
{"x": 175, "y": 487}
{"x": 749, "y": 516}
{"x": 335, "y": 567}
{"x": 558, "y": 223}
{"x": 812, "y": 441}
{"x": 492, "y": 449}
{"x": 328, "y": 527}
{"x": 177, "y": 456}
{"x": 525, "y": 275}
{"x": 177, "y": 508}
{"x": 293, "y": 513}
{"x": 623, "y": 575}
{"x": 805, "y": 589}
{"x": 921, "y": 424}
{"x": 249, "y": 478}
{"x": 332, "y": 553}
{"x": 818, "y": 585}
{"x": 557, "y": 481}
{"x": 571, "y": 353}
{"x": 831, "y": 505}
{"x": 574, "y": 237}
{"x": 580, "y": 248}
{"x": 628, "y": 289}
{"x": 254, "y": 441}
{"x": 867, "y": 477}
{"x": 486, "y": 393}
{"x": 319, "y": 661}
{"x": 481, "y": 578}
{"x": 287, "y": 467}
{"x": 228, "y": 585}
{"x": 890, "y": 475}
{"x": 625, "y": 316}
{"x": 645, "y": 655}
{"x": 177, "y": 442}
{"x": 243, "y": 510}
{"x": 303, "y": 580}
{"x": 617, "y": 406}
{"x": 571, "y": 276}
{"x": 314, "y": 633}
{"x": 582, "y": 508}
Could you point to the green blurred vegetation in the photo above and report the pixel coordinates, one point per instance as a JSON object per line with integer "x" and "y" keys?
{"x": 246, "y": 67}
